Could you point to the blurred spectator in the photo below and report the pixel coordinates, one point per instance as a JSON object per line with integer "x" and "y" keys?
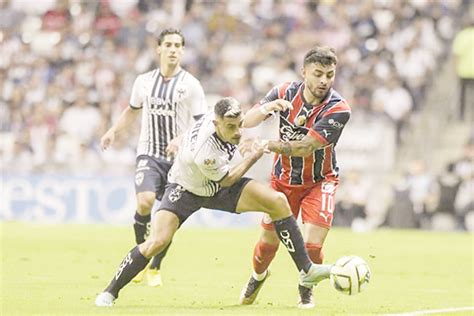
{"x": 352, "y": 198}
{"x": 395, "y": 101}
{"x": 463, "y": 50}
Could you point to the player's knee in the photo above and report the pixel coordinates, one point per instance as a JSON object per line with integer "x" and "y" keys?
{"x": 279, "y": 206}
{"x": 157, "y": 244}
{"x": 145, "y": 203}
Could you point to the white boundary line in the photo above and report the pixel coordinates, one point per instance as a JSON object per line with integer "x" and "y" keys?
{"x": 435, "y": 311}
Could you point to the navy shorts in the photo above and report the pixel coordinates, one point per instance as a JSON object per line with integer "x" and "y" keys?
{"x": 183, "y": 203}
{"x": 151, "y": 175}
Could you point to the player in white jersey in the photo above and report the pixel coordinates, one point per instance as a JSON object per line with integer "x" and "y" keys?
{"x": 201, "y": 177}
{"x": 170, "y": 100}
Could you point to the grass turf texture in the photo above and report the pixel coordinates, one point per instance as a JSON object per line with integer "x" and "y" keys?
{"x": 59, "y": 269}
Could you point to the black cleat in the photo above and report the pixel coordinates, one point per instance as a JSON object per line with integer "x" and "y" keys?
{"x": 306, "y": 297}
{"x": 250, "y": 291}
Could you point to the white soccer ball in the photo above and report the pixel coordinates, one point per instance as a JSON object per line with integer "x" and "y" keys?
{"x": 350, "y": 275}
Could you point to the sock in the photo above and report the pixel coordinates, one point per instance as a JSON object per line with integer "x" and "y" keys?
{"x": 156, "y": 261}
{"x": 259, "y": 276}
{"x": 140, "y": 226}
{"x": 290, "y": 235}
{"x": 315, "y": 252}
{"x": 263, "y": 255}
{"x": 131, "y": 265}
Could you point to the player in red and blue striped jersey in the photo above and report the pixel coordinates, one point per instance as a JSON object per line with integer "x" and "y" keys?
{"x": 312, "y": 116}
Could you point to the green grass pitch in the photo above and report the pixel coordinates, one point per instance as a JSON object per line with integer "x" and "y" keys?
{"x": 59, "y": 269}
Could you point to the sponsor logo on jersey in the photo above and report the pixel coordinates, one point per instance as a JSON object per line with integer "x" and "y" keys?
{"x": 162, "y": 112}
{"x": 139, "y": 178}
{"x": 335, "y": 124}
{"x": 288, "y": 133}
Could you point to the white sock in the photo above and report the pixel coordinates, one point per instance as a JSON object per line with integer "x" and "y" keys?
{"x": 259, "y": 276}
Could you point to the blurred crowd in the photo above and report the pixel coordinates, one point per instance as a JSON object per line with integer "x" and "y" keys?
{"x": 67, "y": 66}
{"x": 418, "y": 198}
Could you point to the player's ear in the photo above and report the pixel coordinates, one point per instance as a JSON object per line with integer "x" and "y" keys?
{"x": 303, "y": 72}
{"x": 158, "y": 49}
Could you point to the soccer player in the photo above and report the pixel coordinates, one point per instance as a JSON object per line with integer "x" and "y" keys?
{"x": 171, "y": 99}
{"x": 201, "y": 177}
{"x": 312, "y": 116}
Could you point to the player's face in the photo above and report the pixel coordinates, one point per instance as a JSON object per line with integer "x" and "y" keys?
{"x": 229, "y": 129}
{"x": 171, "y": 49}
{"x": 318, "y": 79}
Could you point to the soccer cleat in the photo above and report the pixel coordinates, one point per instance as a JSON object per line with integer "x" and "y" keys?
{"x": 104, "y": 299}
{"x": 250, "y": 291}
{"x": 140, "y": 276}
{"x": 306, "y": 297}
{"x": 153, "y": 277}
{"x": 316, "y": 274}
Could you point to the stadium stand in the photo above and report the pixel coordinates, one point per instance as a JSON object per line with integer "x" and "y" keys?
{"x": 67, "y": 68}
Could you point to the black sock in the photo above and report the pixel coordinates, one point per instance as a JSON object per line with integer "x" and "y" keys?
{"x": 290, "y": 235}
{"x": 156, "y": 261}
{"x": 140, "y": 227}
{"x": 131, "y": 265}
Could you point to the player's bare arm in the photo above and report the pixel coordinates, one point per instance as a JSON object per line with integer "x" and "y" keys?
{"x": 257, "y": 114}
{"x": 127, "y": 118}
{"x": 237, "y": 172}
{"x": 300, "y": 148}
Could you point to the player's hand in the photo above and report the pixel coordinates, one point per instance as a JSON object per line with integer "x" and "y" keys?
{"x": 279, "y": 105}
{"x": 245, "y": 146}
{"x": 172, "y": 148}
{"x": 107, "y": 140}
{"x": 259, "y": 147}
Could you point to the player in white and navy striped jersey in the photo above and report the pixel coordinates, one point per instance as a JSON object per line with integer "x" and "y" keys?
{"x": 202, "y": 178}
{"x": 170, "y": 100}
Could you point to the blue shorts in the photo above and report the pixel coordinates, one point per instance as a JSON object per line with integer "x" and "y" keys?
{"x": 151, "y": 175}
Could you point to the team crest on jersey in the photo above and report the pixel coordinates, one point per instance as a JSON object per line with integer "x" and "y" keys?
{"x": 300, "y": 120}
{"x": 181, "y": 91}
{"x": 139, "y": 178}
{"x": 209, "y": 162}
{"x": 176, "y": 194}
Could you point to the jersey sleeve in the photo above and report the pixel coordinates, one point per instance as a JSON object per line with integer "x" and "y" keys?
{"x": 212, "y": 163}
{"x": 277, "y": 92}
{"x": 197, "y": 100}
{"x": 136, "y": 99}
{"x": 328, "y": 129}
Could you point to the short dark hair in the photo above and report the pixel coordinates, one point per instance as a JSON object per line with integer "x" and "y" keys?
{"x": 227, "y": 107}
{"x": 323, "y": 55}
{"x": 170, "y": 31}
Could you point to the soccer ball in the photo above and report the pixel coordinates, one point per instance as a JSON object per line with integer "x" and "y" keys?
{"x": 350, "y": 275}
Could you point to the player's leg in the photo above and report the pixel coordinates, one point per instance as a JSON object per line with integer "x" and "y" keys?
{"x": 153, "y": 274}
{"x": 164, "y": 226}
{"x": 267, "y": 246}
{"x": 317, "y": 209}
{"x": 263, "y": 254}
{"x": 259, "y": 197}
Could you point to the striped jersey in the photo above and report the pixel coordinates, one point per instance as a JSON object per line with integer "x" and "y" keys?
{"x": 324, "y": 122}
{"x": 169, "y": 107}
{"x": 203, "y": 159}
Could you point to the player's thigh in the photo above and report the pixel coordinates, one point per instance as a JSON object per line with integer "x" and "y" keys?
{"x": 317, "y": 207}
{"x": 257, "y": 197}
{"x": 164, "y": 225}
